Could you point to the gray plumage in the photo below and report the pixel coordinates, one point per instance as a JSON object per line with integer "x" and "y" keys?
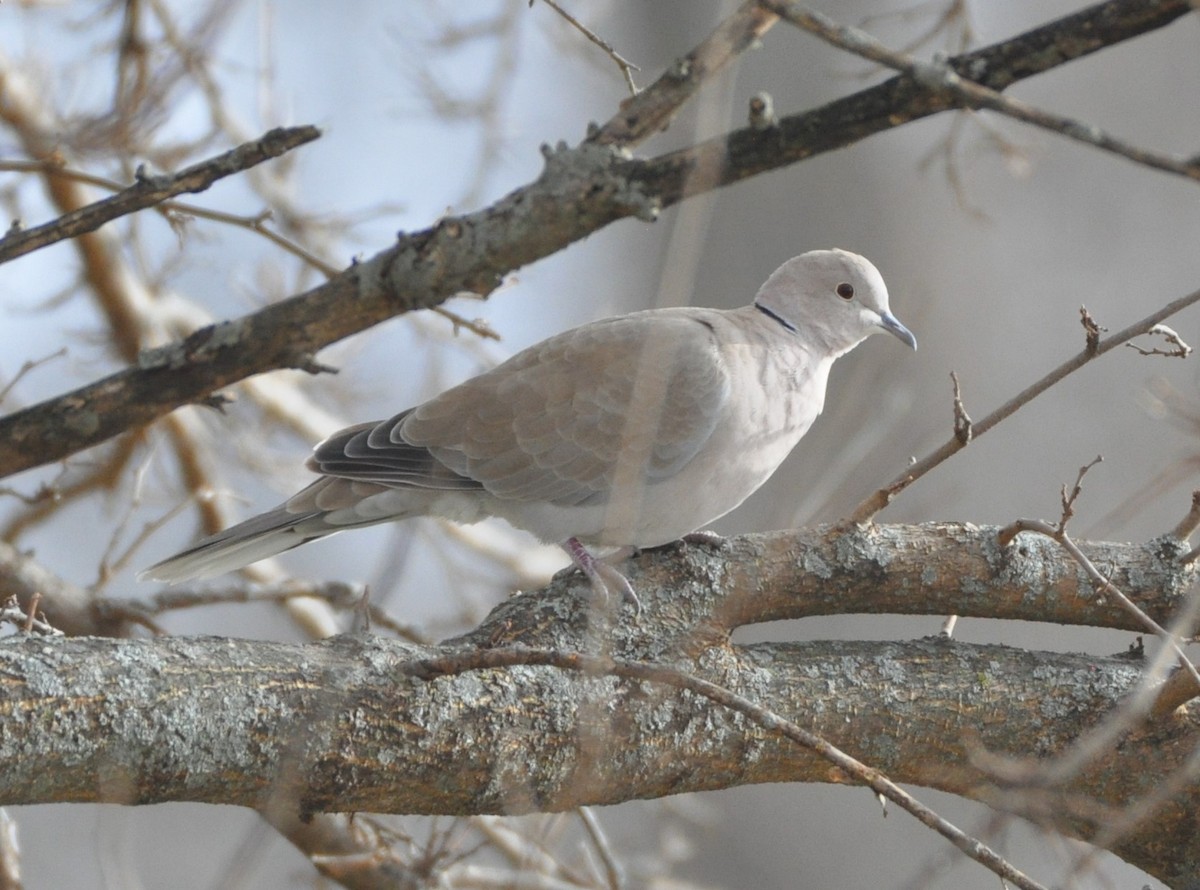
{"x": 631, "y": 431}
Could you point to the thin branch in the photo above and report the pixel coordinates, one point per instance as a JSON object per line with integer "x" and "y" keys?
{"x": 1179, "y": 689}
{"x": 952, "y": 20}
{"x": 1092, "y": 331}
{"x": 865, "y": 511}
{"x": 26, "y": 367}
{"x": 1188, "y": 525}
{"x": 27, "y": 621}
{"x": 10, "y": 853}
{"x": 339, "y": 595}
{"x": 962, "y": 420}
{"x": 613, "y": 872}
{"x": 597, "y": 665}
{"x": 651, "y": 110}
{"x": 475, "y": 326}
{"x": 151, "y": 190}
{"x": 1070, "y": 497}
{"x": 71, "y": 484}
{"x": 626, "y": 67}
{"x": 940, "y": 76}
{"x": 256, "y": 224}
{"x": 1178, "y": 349}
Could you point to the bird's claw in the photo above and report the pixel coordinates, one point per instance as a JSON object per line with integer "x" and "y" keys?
{"x": 609, "y": 578}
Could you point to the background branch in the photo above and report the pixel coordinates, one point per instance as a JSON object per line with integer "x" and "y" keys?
{"x": 580, "y": 191}
{"x": 883, "y": 496}
{"x": 149, "y": 191}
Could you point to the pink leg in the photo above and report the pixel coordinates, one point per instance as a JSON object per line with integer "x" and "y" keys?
{"x": 603, "y": 577}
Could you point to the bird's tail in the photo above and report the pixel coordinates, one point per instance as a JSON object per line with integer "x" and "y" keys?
{"x": 257, "y": 538}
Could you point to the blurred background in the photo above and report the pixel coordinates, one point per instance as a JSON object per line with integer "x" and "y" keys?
{"x": 990, "y": 236}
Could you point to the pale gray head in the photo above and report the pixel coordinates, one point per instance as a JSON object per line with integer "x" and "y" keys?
{"x": 831, "y": 297}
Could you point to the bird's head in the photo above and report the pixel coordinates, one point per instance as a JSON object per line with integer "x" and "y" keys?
{"x": 831, "y": 297}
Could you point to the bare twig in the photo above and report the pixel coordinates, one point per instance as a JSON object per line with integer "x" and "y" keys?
{"x": 865, "y": 511}
{"x": 941, "y": 76}
{"x": 949, "y": 15}
{"x": 1179, "y": 689}
{"x": 341, "y": 596}
{"x": 257, "y": 223}
{"x": 1183, "y": 686}
{"x": 1069, "y": 498}
{"x": 26, "y": 367}
{"x": 947, "y": 150}
{"x": 10, "y": 853}
{"x": 1091, "y": 330}
{"x": 32, "y": 616}
{"x": 524, "y": 852}
{"x": 27, "y": 620}
{"x": 1179, "y": 350}
{"x": 644, "y": 114}
{"x": 612, "y": 869}
{"x": 962, "y": 420}
{"x": 476, "y": 327}
{"x": 1188, "y": 525}
{"x": 598, "y": 665}
{"x": 104, "y": 473}
{"x": 151, "y": 190}
{"x": 175, "y": 212}
{"x": 626, "y": 67}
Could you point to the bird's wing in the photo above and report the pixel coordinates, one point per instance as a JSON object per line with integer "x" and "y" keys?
{"x": 364, "y": 453}
{"x": 630, "y": 400}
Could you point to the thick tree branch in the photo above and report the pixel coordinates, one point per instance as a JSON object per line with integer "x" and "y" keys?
{"x": 343, "y": 725}
{"x": 855, "y": 770}
{"x": 580, "y": 191}
{"x": 363, "y": 723}
{"x": 928, "y": 569}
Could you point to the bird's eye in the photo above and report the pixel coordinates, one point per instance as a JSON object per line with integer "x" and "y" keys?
{"x": 845, "y": 290}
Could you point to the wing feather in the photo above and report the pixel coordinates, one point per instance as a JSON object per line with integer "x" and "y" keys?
{"x": 554, "y": 422}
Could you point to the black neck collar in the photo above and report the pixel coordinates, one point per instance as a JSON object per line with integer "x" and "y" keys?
{"x": 772, "y": 315}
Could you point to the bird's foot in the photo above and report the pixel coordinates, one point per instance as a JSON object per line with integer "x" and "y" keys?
{"x": 704, "y": 538}
{"x": 604, "y": 578}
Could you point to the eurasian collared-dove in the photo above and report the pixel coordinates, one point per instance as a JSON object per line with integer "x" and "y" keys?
{"x": 628, "y": 432}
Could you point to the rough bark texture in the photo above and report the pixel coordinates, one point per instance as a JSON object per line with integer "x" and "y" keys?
{"x": 354, "y": 723}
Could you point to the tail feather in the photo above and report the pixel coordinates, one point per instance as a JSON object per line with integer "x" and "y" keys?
{"x": 257, "y": 538}
{"x": 325, "y": 507}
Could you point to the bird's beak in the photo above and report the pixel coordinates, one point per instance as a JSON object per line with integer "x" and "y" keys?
{"x": 892, "y": 325}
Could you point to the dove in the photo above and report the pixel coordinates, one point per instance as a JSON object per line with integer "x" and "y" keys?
{"x": 628, "y": 433}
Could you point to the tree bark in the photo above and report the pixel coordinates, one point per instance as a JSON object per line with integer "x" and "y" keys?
{"x": 360, "y": 723}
